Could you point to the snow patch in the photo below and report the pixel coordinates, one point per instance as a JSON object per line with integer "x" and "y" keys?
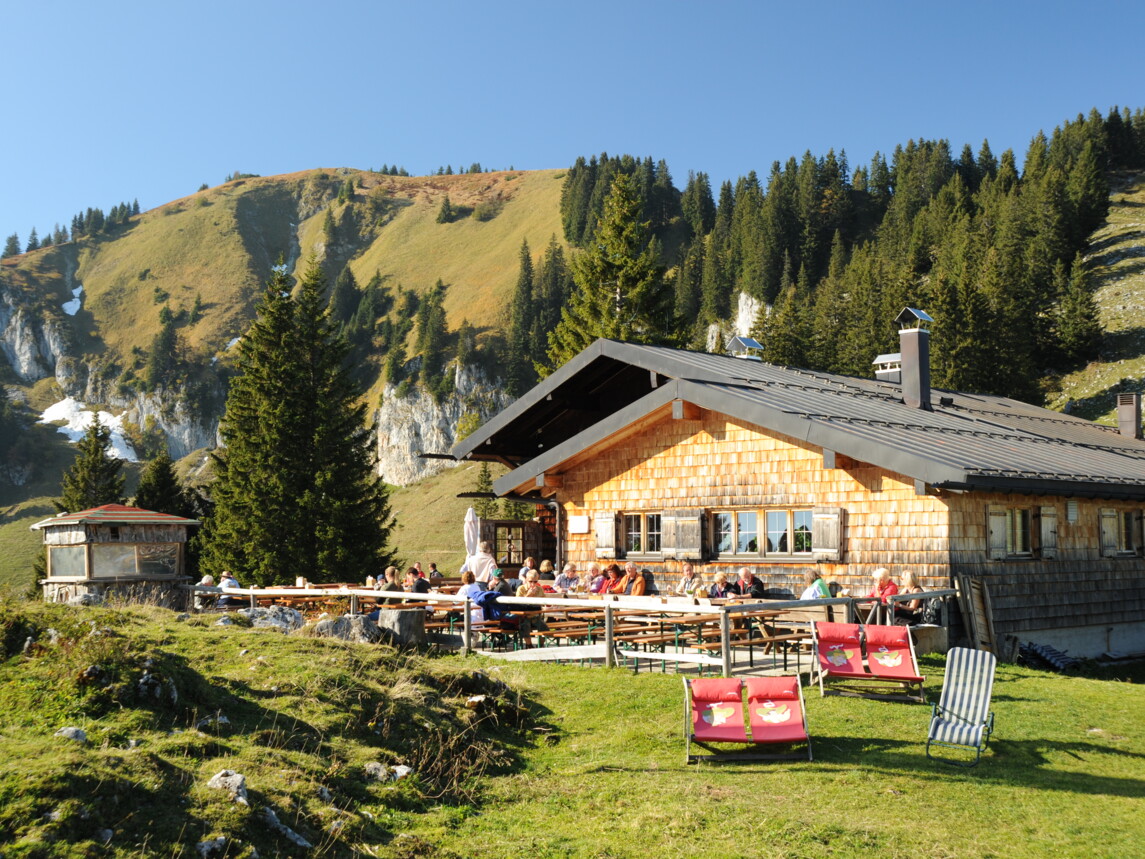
{"x": 235, "y": 340}
{"x": 77, "y": 420}
{"x": 71, "y": 308}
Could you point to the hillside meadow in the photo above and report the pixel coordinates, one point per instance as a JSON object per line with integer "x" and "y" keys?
{"x": 556, "y": 760}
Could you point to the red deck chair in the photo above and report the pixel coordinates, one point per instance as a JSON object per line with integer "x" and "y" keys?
{"x": 713, "y": 713}
{"x": 890, "y": 656}
{"x": 776, "y": 713}
{"x": 839, "y": 651}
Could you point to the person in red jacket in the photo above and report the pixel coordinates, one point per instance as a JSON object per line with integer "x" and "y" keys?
{"x": 884, "y": 585}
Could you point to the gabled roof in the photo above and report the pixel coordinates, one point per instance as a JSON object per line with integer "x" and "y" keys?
{"x": 968, "y": 441}
{"x": 114, "y": 514}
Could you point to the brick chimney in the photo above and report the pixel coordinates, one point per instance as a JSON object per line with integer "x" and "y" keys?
{"x": 1129, "y": 415}
{"x": 914, "y": 346}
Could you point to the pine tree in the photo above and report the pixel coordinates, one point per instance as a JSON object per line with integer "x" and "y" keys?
{"x": 160, "y": 490}
{"x": 344, "y": 297}
{"x": 11, "y": 246}
{"x": 94, "y": 478}
{"x": 621, "y": 293}
{"x": 486, "y": 508}
{"x": 519, "y": 374}
{"x": 33, "y": 242}
{"x": 296, "y": 492}
{"x": 1078, "y": 329}
{"x": 445, "y": 214}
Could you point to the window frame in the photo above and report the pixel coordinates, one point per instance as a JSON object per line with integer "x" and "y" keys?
{"x": 648, "y": 529}
{"x": 797, "y": 529}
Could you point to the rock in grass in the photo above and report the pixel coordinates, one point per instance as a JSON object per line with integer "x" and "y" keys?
{"x": 351, "y": 627}
{"x": 232, "y": 782}
{"x": 274, "y": 617}
{"x": 212, "y": 847}
{"x": 72, "y": 733}
{"x": 377, "y": 772}
{"x": 282, "y": 829}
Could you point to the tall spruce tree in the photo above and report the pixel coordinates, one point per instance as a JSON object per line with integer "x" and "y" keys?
{"x": 95, "y": 478}
{"x": 296, "y": 492}
{"x": 620, "y": 289}
{"x": 160, "y": 490}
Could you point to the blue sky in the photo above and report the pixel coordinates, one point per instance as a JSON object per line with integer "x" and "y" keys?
{"x": 119, "y": 100}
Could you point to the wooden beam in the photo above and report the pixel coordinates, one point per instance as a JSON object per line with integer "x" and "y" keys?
{"x": 682, "y": 410}
{"x": 550, "y": 481}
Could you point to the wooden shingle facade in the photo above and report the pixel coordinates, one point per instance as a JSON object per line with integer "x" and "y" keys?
{"x": 661, "y": 456}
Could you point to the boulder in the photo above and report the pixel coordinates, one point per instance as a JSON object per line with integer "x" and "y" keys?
{"x": 350, "y": 627}
{"x": 273, "y": 617}
{"x": 406, "y": 627}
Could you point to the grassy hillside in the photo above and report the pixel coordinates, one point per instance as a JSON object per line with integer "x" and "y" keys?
{"x": 560, "y": 760}
{"x": 1117, "y": 260}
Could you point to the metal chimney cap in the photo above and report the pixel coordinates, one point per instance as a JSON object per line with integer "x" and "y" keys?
{"x": 888, "y": 358}
{"x": 912, "y": 317}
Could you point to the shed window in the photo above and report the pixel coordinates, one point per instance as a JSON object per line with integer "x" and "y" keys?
{"x": 1018, "y": 531}
{"x": 68, "y": 562}
{"x": 1009, "y": 533}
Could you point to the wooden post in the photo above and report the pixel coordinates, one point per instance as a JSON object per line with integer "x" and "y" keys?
{"x": 726, "y": 640}
{"x": 609, "y": 652}
{"x": 467, "y": 634}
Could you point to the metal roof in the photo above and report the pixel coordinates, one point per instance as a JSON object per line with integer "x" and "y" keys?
{"x": 968, "y": 441}
{"x": 114, "y": 514}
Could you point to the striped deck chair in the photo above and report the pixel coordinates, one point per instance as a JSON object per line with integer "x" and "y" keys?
{"x": 962, "y": 719}
{"x": 839, "y": 652}
{"x": 776, "y": 713}
{"x": 890, "y": 656}
{"x": 713, "y": 713}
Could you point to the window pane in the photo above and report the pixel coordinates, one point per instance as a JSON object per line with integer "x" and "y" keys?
{"x": 112, "y": 559}
{"x": 507, "y": 544}
{"x": 801, "y": 522}
{"x": 1125, "y": 543}
{"x": 632, "y": 541}
{"x": 748, "y": 538}
{"x": 652, "y": 526}
{"x": 158, "y": 559}
{"x": 777, "y": 531}
{"x": 1018, "y": 532}
{"x": 724, "y": 532}
{"x": 68, "y": 561}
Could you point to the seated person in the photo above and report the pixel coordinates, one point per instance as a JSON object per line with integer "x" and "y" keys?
{"x": 748, "y": 585}
{"x": 609, "y": 582}
{"x": 226, "y": 582}
{"x": 501, "y": 585}
{"x": 815, "y": 588}
{"x": 568, "y": 580}
{"x": 909, "y": 611}
{"x": 547, "y": 574}
{"x": 205, "y": 601}
{"x": 530, "y": 616}
{"x": 633, "y": 583}
{"x": 415, "y": 583}
{"x": 471, "y": 589}
{"x": 721, "y": 589}
{"x": 435, "y": 575}
{"x": 884, "y": 586}
{"x": 690, "y": 584}
{"x": 588, "y": 579}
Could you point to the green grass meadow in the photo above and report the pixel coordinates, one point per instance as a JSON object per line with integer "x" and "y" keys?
{"x": 559, "y": 761}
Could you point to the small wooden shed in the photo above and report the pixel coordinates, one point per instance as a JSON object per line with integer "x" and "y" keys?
{"x": 114, "y": 549}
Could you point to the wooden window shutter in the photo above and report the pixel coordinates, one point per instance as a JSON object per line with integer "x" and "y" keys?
{"x": 1108, "y": 533}
{"x": 1138, "y": 535}
{"x": 1048, "y": 532}
{"x": 996, "y": 534}
{"x": 668, "y": 534}
{"x": 827, "y": 533}
{"x": 606, "y": 529}
{"x": 689, "y": 536}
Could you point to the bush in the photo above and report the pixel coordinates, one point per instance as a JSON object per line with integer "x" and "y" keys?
{"x": 487, "y": 210}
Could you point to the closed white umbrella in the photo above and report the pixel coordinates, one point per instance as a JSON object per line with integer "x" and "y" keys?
{"x": 471, "y": 529}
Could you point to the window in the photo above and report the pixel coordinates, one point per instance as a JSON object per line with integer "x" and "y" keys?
{"x": 642, "y": 533}
{"x": 508, "y": 543}
{"x": 787, "y": 532}
{"x": 1017, "y": 531}
{"x": 1008, "y": 533}
{"x": 1120, "y": 532}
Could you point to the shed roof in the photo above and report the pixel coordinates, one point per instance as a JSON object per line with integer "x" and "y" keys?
{"x": 114, "y": 514}
{"x": 967, "y": 442}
